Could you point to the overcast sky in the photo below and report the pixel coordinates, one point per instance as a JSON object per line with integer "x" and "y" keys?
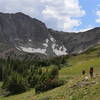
{"x": 65, "y": 15}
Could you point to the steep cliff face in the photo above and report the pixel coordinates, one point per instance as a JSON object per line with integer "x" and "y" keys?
{"x": 20, "y": 27}
{"x": 23, "y": 34}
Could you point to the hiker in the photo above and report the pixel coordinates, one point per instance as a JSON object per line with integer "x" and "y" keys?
{"x": 91, "y": 72}
{"x": 83, "y": 72}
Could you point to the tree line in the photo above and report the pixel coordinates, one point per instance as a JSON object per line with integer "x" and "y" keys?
{"x": 20, "y": 75}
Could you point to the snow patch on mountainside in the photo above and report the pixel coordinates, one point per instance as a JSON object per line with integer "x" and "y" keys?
{"x": 29, "y": 40}
{"x": 52, "y": 39}
{"x": 80, "y": 51}
{"x": 18, "y": 48}
{"x": 59, "y": 51}
{"x": 46, "y": 43}
{"x": 32, "y": 50}
{"x": 47, "y": 40}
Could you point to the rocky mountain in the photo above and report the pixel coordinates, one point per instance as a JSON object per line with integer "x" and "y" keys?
{"x": 22, "y": 35}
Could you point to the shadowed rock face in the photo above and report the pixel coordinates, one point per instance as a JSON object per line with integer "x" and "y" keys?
{"x": 78, "y": 42}
{"x": 21, "y": 33}
{"x": 21, "y": 27}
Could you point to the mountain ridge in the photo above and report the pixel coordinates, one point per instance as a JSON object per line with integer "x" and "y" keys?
{"x": 29, "y": 35}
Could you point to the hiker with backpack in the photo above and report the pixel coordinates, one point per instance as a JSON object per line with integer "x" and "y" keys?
{"x": 91, "y": 71}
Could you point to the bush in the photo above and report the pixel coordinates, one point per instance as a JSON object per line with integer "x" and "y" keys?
{"x": 15, "y": 83}
{"x": 48, "y": 80}
{"x": 32, "y": 80}
{"x": 48, "y": 85}
{"x": 54, "y": 72}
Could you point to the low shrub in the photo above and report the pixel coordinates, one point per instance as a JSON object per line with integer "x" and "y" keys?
{"x": 15, "y": 84}
{"x": 48, "y": 85}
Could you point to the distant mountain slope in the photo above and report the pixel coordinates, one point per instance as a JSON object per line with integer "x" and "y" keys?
{"x": 23, "y": 34}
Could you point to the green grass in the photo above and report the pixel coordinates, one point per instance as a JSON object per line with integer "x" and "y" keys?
{"x": 72, "y": 75}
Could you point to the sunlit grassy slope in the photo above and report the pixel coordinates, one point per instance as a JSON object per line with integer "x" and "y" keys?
{"x": 72, "y": 74}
